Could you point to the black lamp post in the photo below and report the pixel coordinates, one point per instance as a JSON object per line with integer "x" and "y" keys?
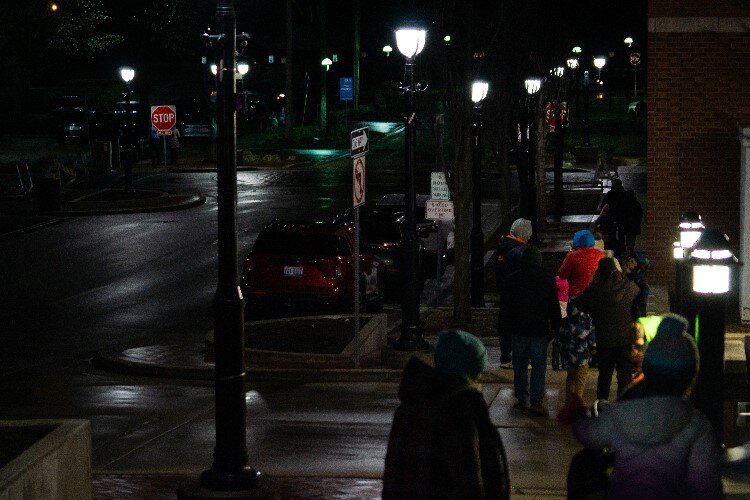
{"x": 229, "y": 471}
{"x": 712, "y": 267}
{"x": 410, "y": 42}
{"x": 478, "y": 93}
{"x": 586, "y": 126}
{"x": 532, "y": 85}
{"x": 126, "y": 133}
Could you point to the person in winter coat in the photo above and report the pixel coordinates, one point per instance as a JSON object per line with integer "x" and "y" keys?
{"x": 577, "y": 343}
{"x": 579, "y": 264}
{"x": 533, "y": 316}
{"x": 663, "y": 447}
{"x": 442, "y": 443}
{"x": 609, "y": 300}
{"x": 631, "y": 219}
{"x": 507, "y": 261}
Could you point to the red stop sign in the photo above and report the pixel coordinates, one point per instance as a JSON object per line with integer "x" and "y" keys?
{"x": 163, "y": 118}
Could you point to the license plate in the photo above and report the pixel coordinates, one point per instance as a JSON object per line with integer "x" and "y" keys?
{"x": 293, "y": 271}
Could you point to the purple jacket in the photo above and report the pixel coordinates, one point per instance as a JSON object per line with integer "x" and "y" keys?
{"x": 663, "y": 448}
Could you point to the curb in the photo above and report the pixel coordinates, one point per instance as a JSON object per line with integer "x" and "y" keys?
{"x": 177, "y": 202}
{"x": 30, "y": 228}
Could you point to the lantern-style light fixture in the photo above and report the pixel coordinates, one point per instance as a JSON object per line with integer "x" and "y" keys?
{"x": 628, "y": 41}
{"x": 479, "y": 91}
{"x": 387, "y": 49}
{"x": 214, "y": 68}
{"x": 577, "y": 50}
{"x": 243, "y": 68}
{"x": 573, "y": 63}
{"x": 599, "y": 62}
{"x": 410, "y": 41}
{"x": 326, "y": 62}
{"x": 127, "y": 74}
{"x": 533, "y": 85}
{"x": 558, "y": 71}
{"x": 691, "y": 227}
{"x": 712, "y": 261}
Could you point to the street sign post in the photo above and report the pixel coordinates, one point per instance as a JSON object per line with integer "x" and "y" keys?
{"x": 163, "y": 119}
{"x": 358, "y": 178}
{"x": 439, "y": 210}
{"x": 359, "y": 141}
{"x": 439, "y": 187}
{"x": 346, "y": 88}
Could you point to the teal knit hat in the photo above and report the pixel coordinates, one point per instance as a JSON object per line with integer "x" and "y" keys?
{"x": 459, "y": 353}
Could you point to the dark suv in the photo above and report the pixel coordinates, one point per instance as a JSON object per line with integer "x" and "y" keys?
{"x": 301, "y": 263}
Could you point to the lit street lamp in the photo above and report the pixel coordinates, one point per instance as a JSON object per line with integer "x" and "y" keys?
{"x": 387, "y": 49}
{"x": 712, "y": 265}
{"x": 126, "y": 133}
{"x": 628, "y": 41}
{"x": 599, "y": 63}
{"x": 326, "y": 63}
{"x": 528, "y": 136}
{"x": 478, "y": 93}
{"x": 410, "y": 42}
{"x": 242, "y": 69}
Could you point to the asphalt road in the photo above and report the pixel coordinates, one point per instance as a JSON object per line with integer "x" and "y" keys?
{"x": 116, "y": 281}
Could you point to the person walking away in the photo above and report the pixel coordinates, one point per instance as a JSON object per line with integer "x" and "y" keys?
{"x": 576, "y": 341}
{"x": 507, "y": 261}
{"x": 442, "y": 443}
{"x": 174, "y": 146}
{"x": 579, "y": 265}
{"x": 615, "y": 198}
{"x": 609, "y": 300}
{"x": 662, "y": 446}
{"x": 606, "y": 225}
{"x": 534, "y": 317}
{"x": 632, "y": 217}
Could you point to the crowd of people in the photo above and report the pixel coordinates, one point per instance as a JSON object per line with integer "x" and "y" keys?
{"x": 647, "y": 442}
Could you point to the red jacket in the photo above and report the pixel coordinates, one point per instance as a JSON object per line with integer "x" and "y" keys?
{"x": 578, "y": 268}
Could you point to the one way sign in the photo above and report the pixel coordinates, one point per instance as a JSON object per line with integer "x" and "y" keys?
{"x": 360, "y": 144}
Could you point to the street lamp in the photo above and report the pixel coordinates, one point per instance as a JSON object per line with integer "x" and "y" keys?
{"x": 214, "y": 68}
{"x": 573, "y": 63}
{"x": 410, "y": 42}
{"x": 691, "y": 227}
{"x": 326, "y": 63}
{"x": 478, "y": 93}
{"x": 577, "y": 50}
{"x": 586, "y": 125}
{"x": 126, "y": 131}
{"x": 712, "y": 265}
{"x": 558, "y": 71}
{"x": 242, "y": 69}
{"x": 387, "y": 49}
{"x": 599, "y": 63}
{"x": 528, "y": 132}
{"x": 628, "y": 41}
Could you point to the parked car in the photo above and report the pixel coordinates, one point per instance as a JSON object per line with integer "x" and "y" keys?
{"x": 72, "y": 118}
{"x": 382, "y": 234}
{"x": 301, "y": 263}
{"x": 429, "y": 231}
{"x": 194, "y": 120}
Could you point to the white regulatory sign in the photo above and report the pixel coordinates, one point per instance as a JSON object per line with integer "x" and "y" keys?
{"x": 438, "y": 210}
{"x": 358, "y": 181}
{"x": 439, "y": 187}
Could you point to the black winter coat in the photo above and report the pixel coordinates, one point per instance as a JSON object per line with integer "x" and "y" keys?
{"x": 529, "y": 304}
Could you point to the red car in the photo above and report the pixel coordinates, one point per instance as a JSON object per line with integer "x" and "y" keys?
{"x": 299, "y": 263}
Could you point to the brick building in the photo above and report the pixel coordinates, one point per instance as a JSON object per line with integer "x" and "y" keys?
{"x": 698, "y": 104}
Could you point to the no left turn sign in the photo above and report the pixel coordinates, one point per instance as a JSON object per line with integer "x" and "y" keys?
{"x": 358, "y": 184}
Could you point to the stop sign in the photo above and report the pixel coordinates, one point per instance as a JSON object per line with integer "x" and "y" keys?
{"x": 163, "y": 118}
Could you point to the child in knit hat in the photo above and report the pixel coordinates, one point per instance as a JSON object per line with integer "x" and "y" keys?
{"x": 442, "y": 442}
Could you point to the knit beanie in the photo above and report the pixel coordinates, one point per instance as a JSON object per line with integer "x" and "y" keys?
{"x": 521, "y": 228}
{"x": 583, "y": 238}
{"x": 459, "y": 353}
{"x": 671, "y": 358}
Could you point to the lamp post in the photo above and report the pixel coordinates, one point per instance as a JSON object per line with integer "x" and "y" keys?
{"x": 127, "y": 74}
{"x": 712, "y": 265}
{"x": 410, "y": 42}
{"x": 599, "y": 63}
{"x": 325, "y": 63}
{"x": 478, "y": 93}
{"x": 242, "y": 69}
{"x": 387, "y": 49}
{"x": 586, "y": 126}
{"x": 229, "y": 471}
{"x": 532, "y": 85}
{"x": 558, "y": 119}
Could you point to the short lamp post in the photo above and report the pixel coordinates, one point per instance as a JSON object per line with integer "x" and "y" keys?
{"x": 127, "y": 74}
{"x": 532, "y": 86}
{"x": 242, "y": 69}
{"x": 586, "y": 124}
{"x": 599, "y": 63}
{"x": 478, "y": 93}
{"x": 410, "y": 42}
{"x": 325, "y": 63}
{"x": 691, "y": 227}
{"x": 712, "y": 267}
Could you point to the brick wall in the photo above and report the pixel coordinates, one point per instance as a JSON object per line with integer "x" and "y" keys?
{"x": 698, "y": 97}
